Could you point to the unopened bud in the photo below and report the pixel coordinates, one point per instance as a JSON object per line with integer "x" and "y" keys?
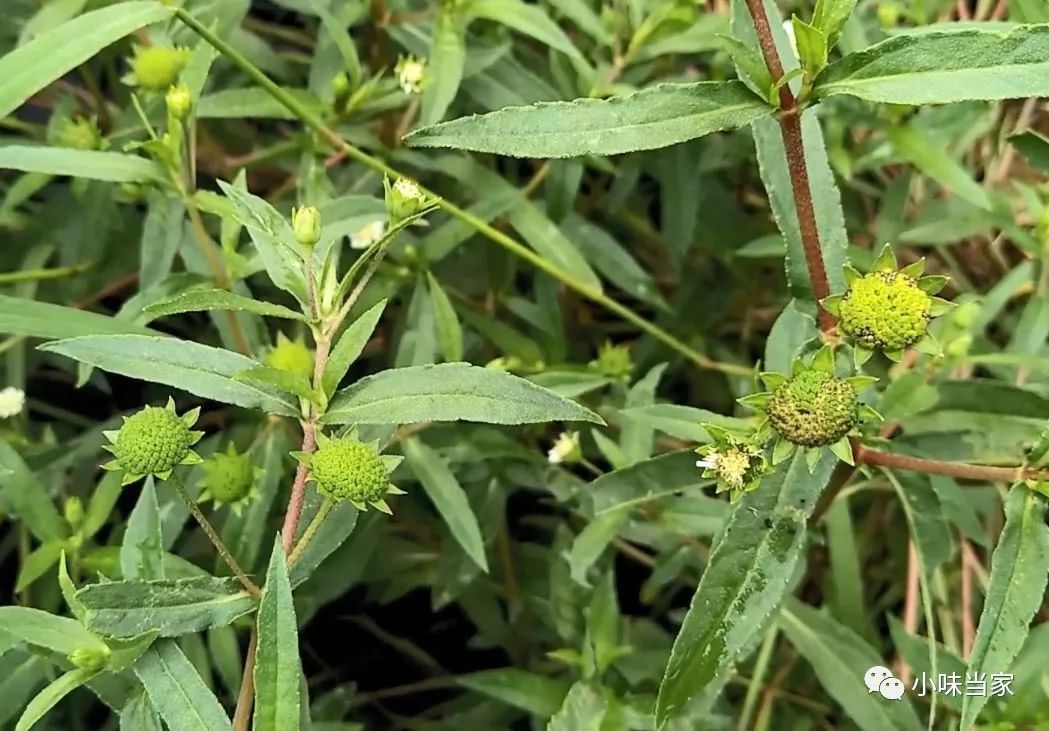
{"x": 179, "y": 101}
{"x": 73, "y": 510}
{"x": 90, "y": 658}
{"x": 404, "y": 199}
{"x": 306, "y": 223}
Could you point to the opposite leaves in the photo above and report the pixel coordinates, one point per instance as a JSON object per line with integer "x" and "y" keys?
{"x": 658, "y": 117}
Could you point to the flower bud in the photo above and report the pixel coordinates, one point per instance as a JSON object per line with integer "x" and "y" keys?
{"x": 156, "y": 68}
{"x": 80, "y": 134}
{"x": 179, "y": 100}
{"x": 404, "y": 199}
{"x": 153, "y": 442}
{"x": 90, "y": 658}
{"x": 73, "y": 511}
{"x": 306, "y": 223}
{"x": 340, "y": 84}
{"x": 411, "y": 74}
{"x": 291, "y": 356}
{"x": 12, "y": 401}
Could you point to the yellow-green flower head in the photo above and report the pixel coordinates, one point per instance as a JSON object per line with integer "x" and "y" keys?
{"x": 229, "y": 479}
{"x": 179, "y": 100}
{"x": 614, "y": 361}
{"x": 291, "y": 356}
{"x": 306, "y": 223}
{"x": 737, "y": 464}
{"x": 887, "y": 310}
{"x": 153, "y": 442}
{"x": 155, "y": 68}
{"x": 90, "y": 658}
{"x": 345, "y": 468}
{"x": 80, "y": 134}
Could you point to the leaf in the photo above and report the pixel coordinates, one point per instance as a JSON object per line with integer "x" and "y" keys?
{"x": 277, "y": 668}
{"x": 161, "y": 236}
{"x": 142, "y": 552}
{"x": 537, "y": 694}
{"x": 840, "y": 658}
{"x": 449, "y": 331}
{"x": 333, "y": 532}
{"x": 295, "y": 383}
{"x": 659, "y": 116}
{"x": 251, "y": 103}
{"x": 830, "y": 15}
{"x": 198, "y": 300}
{"x": 584, "y": 709}
{"x": 51, "y": 55}
{"x": 19, "y": 316}
{"x": 138, "y": 714}
{"x": 49, "y": 697}
{"x": 751, "y": 563}
{"x": 444, "y": 70}
{"x": 37, "y": 563}
{"x": 112, "y": 167}
{"x": 1034, "y": 147}
{"x": 592, "y": 541}
{"x": 336, "y": 29}
{"x": 448, "y": 497}
{"x": 177, "y": 691}
{"x": 22, "y": 495}
{"x": 351, "y": 345}
{"x": 450, "y": 392}
{"x": 526, "y": 18}
{"x": 1019, "y": 569}
{"x": 171, "y": 608}
{"x": 944, "y": 67}
{"x": 925, "y": 154}
{"x": 647, "y": 480}
{"x": 683, "y": 422}
{"x": 199, "y": 369}
{"x": 39, "y": 628}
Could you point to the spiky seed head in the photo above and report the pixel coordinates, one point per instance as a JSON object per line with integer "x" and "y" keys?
{"x": 229, "y": 477}
{"x": 813, "y": 409}
{"x": 348, "y": 469}
{"x": 885, "y": 310}
{"x": 291, "y": 356}
{"x": 614, "y": 361}
{"x": 153, "y": 442}
{"x": 156, "y": 68}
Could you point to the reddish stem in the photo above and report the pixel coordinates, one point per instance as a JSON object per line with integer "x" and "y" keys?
{"x": 298, "y": 490}
{"x": 960, "y": 470}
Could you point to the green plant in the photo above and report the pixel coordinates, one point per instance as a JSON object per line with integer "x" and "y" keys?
{"x": 341, "y": 456}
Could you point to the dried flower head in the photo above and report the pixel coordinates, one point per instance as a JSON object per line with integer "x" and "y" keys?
{"x": 737, "y": 464}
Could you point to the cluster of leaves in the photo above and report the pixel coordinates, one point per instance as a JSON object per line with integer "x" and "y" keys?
{"x": 242, "y": 206}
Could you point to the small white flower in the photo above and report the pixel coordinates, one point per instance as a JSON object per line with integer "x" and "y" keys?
{"x": 368, "y": 235}
{"x": 708, "y": 463}
{"x": 788, "y": 28}
{"x": 411, "y": 72}
{"x": 565, "y": 449}
{"x": 12, "y": 401}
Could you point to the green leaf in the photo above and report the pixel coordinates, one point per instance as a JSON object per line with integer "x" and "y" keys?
{"x": 351, "y": 345}
{"x": 840, "y": 658}
{"x": 177, "y": 691}
{"x": 449, "y": 331}
{"x": 19, "y": 316}
{"x": 49, "y": 697}
{"x": 265, "y": 376}
{"x": 22, "y": 495}
{"x": 928, "y": 156}
{"x": 199, "y": 369}
{"x": 39, "y": 628}
{"x": 683, "y": 422}
{"x": 170, "y": 608}
{"x": 1019, "y": 569}
{"x": 51, "y": 55}
{"x": 252, "y": 103}
{"x": 944, "y": 67}
{"x": 37, "y": 563}
{"x": 830, "y": 15}
{"x": 584, "y": 709}
{"x": 113, "y": 167}
{"x": 162, "y": 233}
{"x": 526, "y": 18}
{"x": 277, "y": 668}
{"x": 660, "y": 116}
{"x": 647, "y": 480}
{"x": 336, "y": 29}
{"x": 444, "y": 71}
{"x": 750, "y": 566}
{"x": 448, "y": 496}
{"x": 812, "y": 46}
{"x": 534, "y": 693}
{"x": 1034, "y": 147}
{"x": 450, "y": 392}
{"x": 142, "y": 552}
{"x": 138, "y": 714}
{"x": 592, "y": 541}
{"x": 198, "y": 300}
{"x": 333, "y": 532}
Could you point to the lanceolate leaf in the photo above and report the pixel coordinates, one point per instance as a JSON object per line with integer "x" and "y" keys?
{"x": 657, "y": 117}
{"x": 41, "y": 629}
{"x": 445, "y": 65}
{"x": 747, "y": 575}
{"x": 197, "y": 300}
{"x": 525, "y": 18}
{"x": 277, "y": 668}
{"x": 199, "y": 369}
{"x": 1019, "y": 569}
{"x": 170, "y": 608}
{"x": 28, "y": 69}
{"x": 450, "y": 392}
{"x": 350, "y": 346}
{"x": 943, "y": 67}
{"x": 177, "y": 691}
{"x": 835, "y": 653}
{"x": 46, "y": 699}
{"x": 28, "y": 317}
{"x": 142, "y": 552}
{"x": 114, "y": 167}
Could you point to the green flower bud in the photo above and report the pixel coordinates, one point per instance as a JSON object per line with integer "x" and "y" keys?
{"x": 885, "y": 310}
{"x": 404, "y": 199}
{"x": 229, "y": 478}
{"x": 80, "y": 134}
{"x": 813, "y": 409}
{"x": 156, "y": 68}
{"x": 614, "y": 361}
{"x": 73, "y": 511}
{"x": 347, "y": 469}
{"x": 153, "y": 442}
{"x": 306, "y": 223}
{"x": 179, "y": 101}
{"x": 291, "y": 356}
{"x": 340, "y": 84}
{"x": 90, "y": 658}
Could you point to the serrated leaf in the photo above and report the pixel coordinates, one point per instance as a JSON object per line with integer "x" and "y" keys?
{"x": 448, "y": 497}
{"x": 199, "y": 369}
{"x": 201, "y": 300}
{"x": 944, "y": 66}
{"x": 750, "y": 566}
{"x": 350, "y": 345}
{"x": 583, "y": 709}
{"x": 657, "y": 117}
{"x": 647, "y": 480}
{"x": 170, "y": 608}
{"x": 277, "y": 667}
{"x": 177, "y": 691}
{"x": 450, "y": 392}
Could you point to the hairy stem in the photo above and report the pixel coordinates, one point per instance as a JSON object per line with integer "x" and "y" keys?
{"x": 959, "y": 470}
{"x": 332, "y": 138}
{"x": 215, "y": 539}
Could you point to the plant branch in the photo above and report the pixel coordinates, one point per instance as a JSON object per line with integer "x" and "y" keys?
{"x": 332, "y": 138}
{"x": 959, "y": 470}
{"x": 794, "y": 147}
{"x": 242, "y": 715}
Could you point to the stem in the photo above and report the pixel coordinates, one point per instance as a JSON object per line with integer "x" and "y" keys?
{"x": 37, "y": 275}
{"x": 242, "y": 716}
{"x": 213, "y": 536}
{"x": 959, "y": 470}
{"x": 311, "y": 531}
{"x": 794, "y": 147}
{"x": 317, "y": 124}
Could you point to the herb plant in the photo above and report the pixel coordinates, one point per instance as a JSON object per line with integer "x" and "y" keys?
{"x": 311, "y": 423}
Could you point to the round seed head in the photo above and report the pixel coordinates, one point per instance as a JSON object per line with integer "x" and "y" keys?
{"x": 813, "y": 409}
{"x": 292, "y": 356}
{"x": 229, "y": 477}
{"x": 153, "y": 441}
{"x": 157, "y": 67}
{"x": 885, "y": 310}
{"x": 346, "y": 469}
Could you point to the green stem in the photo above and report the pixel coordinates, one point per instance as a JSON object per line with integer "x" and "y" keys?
{"x": 37, "y": 275}
{"x": 213, "y": 536}
{"x": 313, "y": 120}
{"x": 311, "y": 531}
{"x": 757, "y": 679}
